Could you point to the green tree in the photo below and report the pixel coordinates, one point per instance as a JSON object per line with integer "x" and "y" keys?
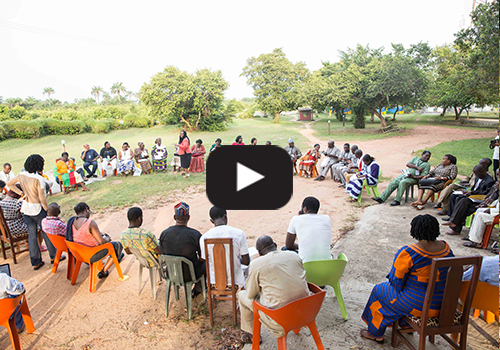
{"x": 118, "y": 89}
{"x": 48, "y": 91}
{"x": 276, "y": 81}
{"x": 479, "y": 45}
{"x": 96, "y": 92}
{"x": 13, "y": 102}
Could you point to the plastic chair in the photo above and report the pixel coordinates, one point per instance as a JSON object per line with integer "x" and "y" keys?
{"x": 328, "y": 272}
{"x": 85, "y": 254}
{"x": 223, "y": 289}
{"x": 8, "y": 306}
{"x": 154, "y": 271}
{"x": 14, "y": 242}
{"x": 175, "y": 277}
{"x": 485, "y": 298}
{"x": 367, "y": 187}
{"x": 450, "y": 320}
{"x": 292, "y": 317}
{"x": 60, "y": 243}
{"x": 487, "y": 232}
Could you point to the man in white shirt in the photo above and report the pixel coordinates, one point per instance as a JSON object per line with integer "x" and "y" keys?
{"x": 10, "y": 287}
{"x": 218, "y": 217}
{"x": 7, "y": 174}
{"x": 313, "y": 232}
{"x": 332, "y": 156}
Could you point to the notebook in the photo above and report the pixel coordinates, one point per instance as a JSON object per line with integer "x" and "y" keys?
{"x": 5, "y": 268}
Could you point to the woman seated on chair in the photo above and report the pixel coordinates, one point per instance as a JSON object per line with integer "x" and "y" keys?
{"x": 87, "y": 233}
{"x": 11, "y": 207}
{"x": 126, "y": 164}
{"x": 141, "y": 156}
{"x": 370, "y": 173}
{"x": 436, "y": 179}
{"x": 404, "y": 293}
{"x": 198, "y": 157}
{"x": 309, "y": 160}
{"x": 68, "y": 175}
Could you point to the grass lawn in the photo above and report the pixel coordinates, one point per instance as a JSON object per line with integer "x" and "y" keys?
{"x": 372, "y": 130}
{"x": 468, "y": 153}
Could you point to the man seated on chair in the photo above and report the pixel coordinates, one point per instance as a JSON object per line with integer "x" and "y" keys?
{"x": 488, "y": 272}
{"x": 466, "y": 206}
{"x": 481, "y": 186}
{"x": 181, "y": 240}
{"x": 52, "y": 223}
{"x": 136, "y": 237}
{"x": 241, "y": 256}
{"x": 346, "y": 158}
{"x": 293, "y": 152}
{"x": 353, "y": 167}
{"x": 7, "y": 174}
{"x": 11, "y": 288}
{"x": 312, "y": 231}
{"x": 445, "y": 196}
{"x": 89, "y": 157}
{"x": 275, "y": 279}
{"x": 418, "y": 167}
{"x": 332, "y": 156}
{"x": 108, "y": 157}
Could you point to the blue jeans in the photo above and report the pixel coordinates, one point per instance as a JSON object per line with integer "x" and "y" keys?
{"x": 87, "y": 165}
{"x": 33, "y": 222}
{"x": 19, "y": 317}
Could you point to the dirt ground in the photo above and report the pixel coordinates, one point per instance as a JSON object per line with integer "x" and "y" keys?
{"x": 116, "y": 317}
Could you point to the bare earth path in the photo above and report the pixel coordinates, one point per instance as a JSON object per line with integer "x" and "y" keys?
{"x": 115, "y": 317}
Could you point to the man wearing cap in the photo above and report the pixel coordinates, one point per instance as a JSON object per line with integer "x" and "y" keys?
{"x": 293, "y": 152}
{"x": 275, "y": 279}
{"x": 332, "y": 156}
{"x": 181, "y": 240}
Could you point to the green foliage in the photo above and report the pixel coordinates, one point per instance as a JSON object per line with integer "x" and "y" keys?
{"x": 276, "y": 81}
{"x": 23, "y": 129}
{"x": 63, "y": 127}
{"x": 3, "y": 133}
{"x": 233, "y": 107}
{"x": 16, "y": 112}
{"x": 249, "y": 111}
{"x": 100, "y": 126}
{"x": 134, "y": 121}
{"x": 178, "y": 97}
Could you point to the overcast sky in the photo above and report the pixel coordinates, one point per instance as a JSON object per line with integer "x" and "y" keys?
{"x": 74, "y": 45}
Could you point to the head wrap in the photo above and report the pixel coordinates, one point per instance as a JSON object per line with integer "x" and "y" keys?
{"x": 181, "y": 209}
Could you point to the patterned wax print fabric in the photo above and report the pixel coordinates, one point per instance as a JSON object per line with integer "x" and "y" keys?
{"x": 141, "y": 239}
{"x": 355, "y": 185}
{"x": 12, "y": 212}
{"x": 159, "y": 154}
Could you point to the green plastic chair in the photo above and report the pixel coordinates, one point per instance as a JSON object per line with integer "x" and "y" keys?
{"x": 328, "y": 272}
{"x": 367, "y": 187}
{"x": 154, "y": 271}
{"x": 174, "y": 277}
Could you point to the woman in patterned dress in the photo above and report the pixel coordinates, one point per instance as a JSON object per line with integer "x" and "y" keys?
{"x": 309, "y": 160}
{"x": 159, "y": 153}
{"x": 198, "y": 157}
{"x": 126, "y": 164}
{"x": 404, "y": 293}
{"x": 11, "y": 207}
{"x": 141, "y": 156}
{"x": 370, "y": 172}
{"x": 445, "y": 171}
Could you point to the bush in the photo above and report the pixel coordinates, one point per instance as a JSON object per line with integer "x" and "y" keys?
{"x": 3, "y": 133}
{"x": 63, "y": 127}
{"x": 24, "y": 129}
{"x": 133, "y": 121}
{"x": 17, "y": 112}
{"x": 100, "y": 126}
{"x": 65, "y": 114}
{"x": 215, "y": 123}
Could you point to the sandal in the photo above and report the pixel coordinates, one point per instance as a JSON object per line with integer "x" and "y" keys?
{"x": 36, "y": 268}
{"x": 102, "y": 274}
{"x": 365, "y": 334}
{"x": 43, "y": 248}
{"x": 472, "y": 244}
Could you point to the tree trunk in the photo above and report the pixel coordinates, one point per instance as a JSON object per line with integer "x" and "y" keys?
{"x": 444, "y": 111}
{"x": 371, "y": 117}
{"x": 186, "y": 121}
{"x": 394, "y": 115}
{"x": 458, "y": 111}
{"x": 383, "y": 122}
{"x": 276, "y": 117}
{"x": 359, "y": 119}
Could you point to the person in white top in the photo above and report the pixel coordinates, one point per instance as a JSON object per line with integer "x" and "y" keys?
{"x": 241, "y": 255}
{"x": 7, "y": 174}
{"x": 496, "y": 155}
{"x": 312, "y": 231}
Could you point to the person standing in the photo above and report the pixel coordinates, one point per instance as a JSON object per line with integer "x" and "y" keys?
{"x": 89, "y": 157}
{"x": 7, "y": 174}
{"x": 184, "y": 152}
{"x": 108, "y": 159}
{"x": 34, "y": 206}
{"x": 274, "y": 280}
{"x": 159, "y": 153}
{"x": 181, "y": 240}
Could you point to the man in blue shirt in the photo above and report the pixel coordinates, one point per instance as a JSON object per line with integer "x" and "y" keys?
{"x": 89, "y": 157}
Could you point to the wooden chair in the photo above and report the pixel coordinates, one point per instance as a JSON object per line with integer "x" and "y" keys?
{"x": 7, "y": 307}
{"x": 314, "y": 170}
{"x": 59, "y": 242}
{"x": 220, "y": 289}
{"x": 292, "y": 317}
{"x": 14, "y": 242}
{"x": 450, "y": 320}
{"x": 487, "y": 232}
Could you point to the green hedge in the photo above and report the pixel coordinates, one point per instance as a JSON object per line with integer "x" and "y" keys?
{"x": 134, "y": 121}
{"x": 23, "y": 129}
{"x": 63, "y": 127}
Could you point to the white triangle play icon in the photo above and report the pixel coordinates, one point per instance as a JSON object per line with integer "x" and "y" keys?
{"x": 246, "y": 176}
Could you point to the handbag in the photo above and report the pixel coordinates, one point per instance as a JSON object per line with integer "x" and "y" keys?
{"x": 428, "y": 182}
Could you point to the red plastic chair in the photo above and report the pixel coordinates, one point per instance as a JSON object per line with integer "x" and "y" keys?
{"x": 60, "y": 243}
{"x": 487, "y": 232}
{"x": 292, "y": 317}
{"x": 84, "y": 254}
{"x": 7, "y": 307}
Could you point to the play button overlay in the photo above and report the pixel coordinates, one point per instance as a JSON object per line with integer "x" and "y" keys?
{"x": 249, "y": 177}
{"x": 246, "y": 176}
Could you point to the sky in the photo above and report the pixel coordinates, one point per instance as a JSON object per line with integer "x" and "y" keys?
{"x": 72, "y": 46}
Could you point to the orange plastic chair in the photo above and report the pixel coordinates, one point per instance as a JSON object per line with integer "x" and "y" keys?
{"x": 60, "y": 243}
{"x": 292, "y": 317}
{"x": 487, "y": 233}
{"x": 7, "y": 307}
{"x": 485, "y": 298}
{"x": 84, "y": 254}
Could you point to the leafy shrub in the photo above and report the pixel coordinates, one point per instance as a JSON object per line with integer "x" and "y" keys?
{"x": 134, "y": 121}
{"x": 24, "y": 129}
{"x": 100, "y": 126}
{"x": 216, "y": 123}
{"x": 3, "y": 133}
{"x": 63, "y": 127}
{"x": 65, "y": 114}
{"x": 17, "y": 112}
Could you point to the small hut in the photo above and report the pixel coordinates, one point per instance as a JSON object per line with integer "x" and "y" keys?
{"x": 305, "y": 113}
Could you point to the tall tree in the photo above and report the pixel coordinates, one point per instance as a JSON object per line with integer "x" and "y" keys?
{"x": 479, "y": 45}
{"x": 118, "y": 89}
{"x": 96, "y": 92}
{"x": 48, "y": 91}
{"x": 276, "y": 81}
